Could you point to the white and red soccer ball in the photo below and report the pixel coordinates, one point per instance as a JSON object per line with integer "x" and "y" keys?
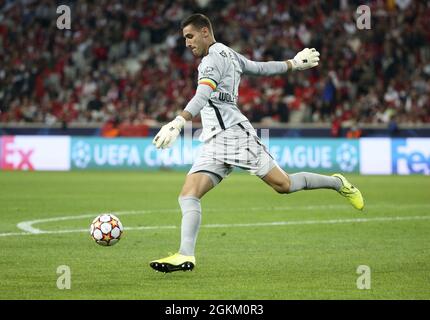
{"x": 106, "y": 229}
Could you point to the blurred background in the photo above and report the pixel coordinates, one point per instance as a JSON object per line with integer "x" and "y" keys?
{"x": 123, "y": 69}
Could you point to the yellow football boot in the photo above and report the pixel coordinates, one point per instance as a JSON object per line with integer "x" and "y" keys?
{"x": 174, "y": 262}
{"x": 350, "y": 192}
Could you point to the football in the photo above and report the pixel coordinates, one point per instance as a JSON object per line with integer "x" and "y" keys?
{"x": 106, "y": 229}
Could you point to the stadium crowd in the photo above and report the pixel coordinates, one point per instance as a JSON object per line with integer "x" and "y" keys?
{"x": 125, "y": 62}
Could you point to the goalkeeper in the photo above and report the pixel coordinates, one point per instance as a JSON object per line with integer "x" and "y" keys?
{"x": 229, "y": 138}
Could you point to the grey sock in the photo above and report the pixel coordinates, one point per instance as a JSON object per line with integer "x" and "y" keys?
{"x": 191, "y": 217}
{"x": 307, "y": 181}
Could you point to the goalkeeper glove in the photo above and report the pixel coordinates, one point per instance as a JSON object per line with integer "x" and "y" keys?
{"x": 168, "y": 133}
{"x": 305, "y": 59}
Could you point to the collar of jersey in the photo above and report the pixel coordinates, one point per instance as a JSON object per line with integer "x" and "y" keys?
{"x": 210, "y": 46}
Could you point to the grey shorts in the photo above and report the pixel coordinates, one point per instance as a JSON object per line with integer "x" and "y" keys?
{"x": 238, "y": 146}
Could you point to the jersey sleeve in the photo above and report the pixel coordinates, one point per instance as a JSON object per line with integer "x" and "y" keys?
{"x": 210, "y": 71}
{"x": 199, "y": 100}
{"x": 261, "y": 68}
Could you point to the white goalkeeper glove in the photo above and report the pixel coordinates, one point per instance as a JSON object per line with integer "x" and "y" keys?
{"x": 305, "y": 59}
{"x": 168, "y": 133}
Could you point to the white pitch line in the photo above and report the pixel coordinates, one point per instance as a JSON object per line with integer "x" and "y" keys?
{"x": 27, "y": 226}
{"x": 257, "y": 224}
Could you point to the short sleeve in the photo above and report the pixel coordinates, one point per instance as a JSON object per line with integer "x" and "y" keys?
{"x": 210, "y": 72}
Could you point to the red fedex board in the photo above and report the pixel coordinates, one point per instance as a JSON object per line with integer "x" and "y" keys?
{"x": 35, "y": 153}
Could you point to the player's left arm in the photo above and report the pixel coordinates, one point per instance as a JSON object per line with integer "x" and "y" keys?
{"x": 305, "y": 59}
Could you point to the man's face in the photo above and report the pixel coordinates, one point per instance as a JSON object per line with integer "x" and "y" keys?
{"x": 195, "y": 40}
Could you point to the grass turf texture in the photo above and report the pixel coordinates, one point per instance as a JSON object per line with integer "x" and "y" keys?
{"x": 302, "y": 261}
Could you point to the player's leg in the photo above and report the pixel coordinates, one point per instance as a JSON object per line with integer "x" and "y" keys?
{"x": 264, "y": 166}
{"x": 282, "y": 182}
{"x": 196, "y": 185}
{"x": 254, "y": 157}
{"x": 204, "y": 175}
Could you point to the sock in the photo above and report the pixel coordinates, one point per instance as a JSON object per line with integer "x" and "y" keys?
{"x": 307, "y": 181}
{"x": 191, "y": 217}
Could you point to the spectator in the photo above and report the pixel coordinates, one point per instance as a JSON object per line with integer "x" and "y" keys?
{"x": 119, "y": 56}
{"x": 354, "y": 132}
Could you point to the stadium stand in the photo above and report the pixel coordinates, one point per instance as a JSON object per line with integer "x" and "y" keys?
{"x": 124, "y": 64}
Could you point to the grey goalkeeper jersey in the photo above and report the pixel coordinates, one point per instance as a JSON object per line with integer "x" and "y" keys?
{"x": 221, "y": 69}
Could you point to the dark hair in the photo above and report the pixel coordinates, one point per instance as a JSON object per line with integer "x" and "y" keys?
{"x": 198, "y": 20}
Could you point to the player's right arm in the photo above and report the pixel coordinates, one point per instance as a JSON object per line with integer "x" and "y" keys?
{"x": 209, "y": 76}
{"x": 305, "y": 59}
{"x": 169, "y": 132}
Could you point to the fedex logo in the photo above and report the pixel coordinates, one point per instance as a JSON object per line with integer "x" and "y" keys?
{"x": 35, "y": 153}
{"x": 411, "y": 156}
{"x": 15, "y": 157}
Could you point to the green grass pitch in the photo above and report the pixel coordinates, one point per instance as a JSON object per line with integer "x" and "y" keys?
{"x": 253, "y": 243}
